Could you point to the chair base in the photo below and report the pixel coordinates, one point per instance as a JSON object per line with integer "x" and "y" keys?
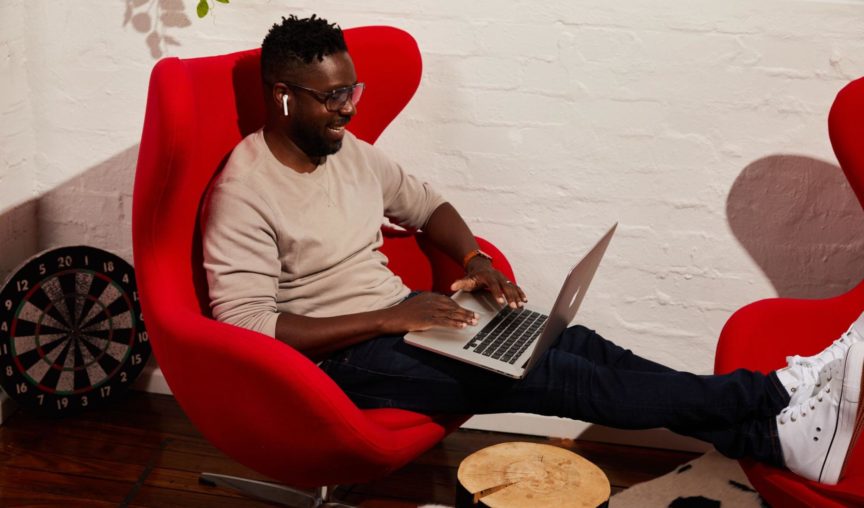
{"x": 273, "y": 492}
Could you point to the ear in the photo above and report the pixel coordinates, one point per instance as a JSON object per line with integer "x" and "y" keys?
{"x": 281, "y": 97}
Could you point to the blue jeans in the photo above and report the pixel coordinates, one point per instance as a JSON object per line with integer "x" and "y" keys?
{"x": 583, "y": 377}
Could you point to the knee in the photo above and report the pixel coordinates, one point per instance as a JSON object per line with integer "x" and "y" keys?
{"x": 577, "y": 333}
{"x": 574, "y": 339}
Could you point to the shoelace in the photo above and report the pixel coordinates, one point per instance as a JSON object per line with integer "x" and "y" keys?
{"x": 824, "y": 376}
{"x": 837, "y": 350}
{"x": 827, "y": 373}
{"x": 794, "y": 412}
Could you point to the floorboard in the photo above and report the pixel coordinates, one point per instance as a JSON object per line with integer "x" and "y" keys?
{"x": 143, "y": 452}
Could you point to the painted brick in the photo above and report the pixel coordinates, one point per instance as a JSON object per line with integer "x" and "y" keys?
{"x": 542, "y": 121}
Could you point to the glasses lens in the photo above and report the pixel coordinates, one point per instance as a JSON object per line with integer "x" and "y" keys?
{"x": 357, "y": 92}
{"x": 338, "y": 98}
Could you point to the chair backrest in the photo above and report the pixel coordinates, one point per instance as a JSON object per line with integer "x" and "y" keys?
{"x": 846, "y": 129}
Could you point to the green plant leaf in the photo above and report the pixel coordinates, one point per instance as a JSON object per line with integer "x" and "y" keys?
{"x": 203, "y": 8}
{"x": 222, "y": 1}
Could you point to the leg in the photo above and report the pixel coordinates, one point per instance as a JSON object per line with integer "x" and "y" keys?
{"x": 756, "y": 439}
{"x": 567, "y": 385}
{"x": 587, "y": 343}
{"x": 385, "y": 372}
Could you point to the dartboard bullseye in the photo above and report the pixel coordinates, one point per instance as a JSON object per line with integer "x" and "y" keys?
{"x": 71, "y": 331}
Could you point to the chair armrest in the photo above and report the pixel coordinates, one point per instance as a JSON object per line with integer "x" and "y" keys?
{"x": 762, "y": 334}
{"x": 445, "y": 270}
{"x": 423, "y": 267}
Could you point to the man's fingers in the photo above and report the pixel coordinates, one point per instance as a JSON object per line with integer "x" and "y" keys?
{"x": 464, "y": 316}
{"x": 514, "y": 294}
{"x": 503, "y": 291}
{"x": 488, "y": 280}
{"x": 456, "y": 318}
{"x": 498, "y": 292}
{"x": 448, "y": 310}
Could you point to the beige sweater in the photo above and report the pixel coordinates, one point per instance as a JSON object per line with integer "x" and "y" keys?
{"x": 276, "y": 240}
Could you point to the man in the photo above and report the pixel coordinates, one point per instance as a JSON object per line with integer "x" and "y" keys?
{"x": 291, "y": 234}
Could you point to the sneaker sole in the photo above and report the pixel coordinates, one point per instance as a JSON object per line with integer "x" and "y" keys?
{"x": 859, "y": 425}
{"x": 850, "y": 416}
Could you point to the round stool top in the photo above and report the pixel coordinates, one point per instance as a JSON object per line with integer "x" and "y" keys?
{"x": 530, "y": 474}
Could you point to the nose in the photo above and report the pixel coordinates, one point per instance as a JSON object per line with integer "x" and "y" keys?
{"x": 348, "y": 108}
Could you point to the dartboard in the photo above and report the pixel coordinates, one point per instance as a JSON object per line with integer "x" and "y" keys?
{"x": 71, "y": 331}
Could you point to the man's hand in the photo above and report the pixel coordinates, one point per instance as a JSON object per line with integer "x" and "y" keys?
{"x": 428, "y": 310}
{"x": 480, "y": 274}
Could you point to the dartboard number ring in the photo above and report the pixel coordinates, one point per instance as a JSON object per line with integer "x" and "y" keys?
{"x": 71, "y": 331}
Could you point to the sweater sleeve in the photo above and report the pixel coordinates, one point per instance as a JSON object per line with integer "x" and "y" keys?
{"x": 240, "y": 258}
{"x": 408, "y": 201}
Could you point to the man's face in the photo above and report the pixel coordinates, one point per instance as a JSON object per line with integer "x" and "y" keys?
{"x": 314, "y": 129}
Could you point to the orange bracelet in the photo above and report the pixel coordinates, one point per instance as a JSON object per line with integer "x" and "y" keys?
{"x": 473, "y": 254}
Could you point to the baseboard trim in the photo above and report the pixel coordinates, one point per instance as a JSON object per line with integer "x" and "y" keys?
{"x": 7, "y": 407}
{"x": 151, "y": 380}
{"x": 535, "y": 425}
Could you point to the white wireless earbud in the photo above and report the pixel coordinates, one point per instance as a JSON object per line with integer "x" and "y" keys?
{"x": 285, "y": 104}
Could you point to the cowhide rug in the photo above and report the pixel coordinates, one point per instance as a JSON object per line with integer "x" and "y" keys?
{"x": 710, "y": 481}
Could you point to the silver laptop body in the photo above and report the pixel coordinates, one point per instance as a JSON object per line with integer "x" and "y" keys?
{"x": 511, "y": 341}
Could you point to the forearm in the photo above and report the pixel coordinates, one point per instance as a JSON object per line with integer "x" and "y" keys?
{"x": 318, "y": 337}
{"x": 448, "y": 231}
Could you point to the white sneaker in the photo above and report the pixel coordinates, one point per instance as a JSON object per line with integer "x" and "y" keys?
{"x": 817, "y": 435}
{"x": 804, "y": 374}
{"x": 805, "y": 381}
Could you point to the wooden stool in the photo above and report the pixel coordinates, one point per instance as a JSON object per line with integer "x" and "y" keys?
{"x": 522, "y": 475}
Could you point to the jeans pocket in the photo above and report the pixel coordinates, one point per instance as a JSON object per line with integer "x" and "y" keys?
{"x": 364, "y": 401}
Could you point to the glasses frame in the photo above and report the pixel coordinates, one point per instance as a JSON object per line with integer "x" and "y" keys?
{"x": 328, "y": 98}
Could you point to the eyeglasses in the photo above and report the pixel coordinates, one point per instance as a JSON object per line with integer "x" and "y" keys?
{"x": 334, "y": 100}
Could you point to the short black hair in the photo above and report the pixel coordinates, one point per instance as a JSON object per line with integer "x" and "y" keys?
{"x": 296, "y": 42}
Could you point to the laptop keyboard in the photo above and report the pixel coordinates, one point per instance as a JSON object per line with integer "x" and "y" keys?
{"x": 508, "y": 335}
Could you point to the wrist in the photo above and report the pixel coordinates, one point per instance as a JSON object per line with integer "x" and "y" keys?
{"x": 391, "y": 320}
{"x": 476, "y": 258}
{"x": 478, "y": 264}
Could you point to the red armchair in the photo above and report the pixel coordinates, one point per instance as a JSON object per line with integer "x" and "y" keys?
{"x": 761, "y": 335}
{"x": 257, "y": 399}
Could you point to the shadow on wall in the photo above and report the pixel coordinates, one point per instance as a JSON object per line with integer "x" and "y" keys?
{"x": 19, "y": 235}
{"x": 796, "y": 216}
{"x": 155, "y": 18}
{"x": 799, "y": 219}
{"x": 93, "y": 208}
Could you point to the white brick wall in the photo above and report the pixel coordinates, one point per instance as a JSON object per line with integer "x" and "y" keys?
{"x": 543, "y": 122}
{"x": 17, "y": 143}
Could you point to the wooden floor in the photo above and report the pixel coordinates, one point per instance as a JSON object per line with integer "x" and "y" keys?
{"x": 142, "y": 451}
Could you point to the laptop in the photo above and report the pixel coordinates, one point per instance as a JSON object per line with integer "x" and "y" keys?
{"x": 511, "y": 341}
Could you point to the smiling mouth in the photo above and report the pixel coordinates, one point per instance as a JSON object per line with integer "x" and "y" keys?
{"x": 338, "y": 130}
